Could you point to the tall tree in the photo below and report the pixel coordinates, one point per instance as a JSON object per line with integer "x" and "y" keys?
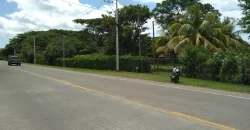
{"x": 208, "y": 31}
{"x": 245, "y": 20}
{"x": 168, "y": 11}
{"x": 131, "y": 17}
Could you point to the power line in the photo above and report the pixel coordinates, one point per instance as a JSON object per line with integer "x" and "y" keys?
{"x": 110, "y": 6}
{"x": 89, "y": 11}
{"x": 81, "y": 5}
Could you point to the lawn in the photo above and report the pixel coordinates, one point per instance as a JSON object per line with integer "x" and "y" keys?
{"x": 164, "y": 77}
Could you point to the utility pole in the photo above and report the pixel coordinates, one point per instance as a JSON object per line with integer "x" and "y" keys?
{"x": 117, "y": 38}
{"x": 34, "y": 50}
{"x": 153, "y": 41}
{"x": 63, "y": 53}
{"x": 117, "y": 32}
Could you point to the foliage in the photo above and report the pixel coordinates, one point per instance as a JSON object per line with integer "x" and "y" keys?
{"x": 105, "y": 62}
{"x": 169, "y": 12}
{"x": 2, "y": 57}
{"x": 215, "y": 64}
{"x": 194, "y": 60}
{"x": 244, "y": 22}
{"x": 132, "y": 17}
{"x": 232, "y": 65}
{"x": 203, "y": 30}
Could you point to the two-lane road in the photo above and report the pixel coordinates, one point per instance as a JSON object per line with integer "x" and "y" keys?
{"x": 38, "y": 98}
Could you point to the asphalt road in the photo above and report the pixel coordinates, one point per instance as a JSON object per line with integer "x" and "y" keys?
{"x": 38, "y": 98}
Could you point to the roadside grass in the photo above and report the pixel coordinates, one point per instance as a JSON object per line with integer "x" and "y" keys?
{"x": 164, "y": 77}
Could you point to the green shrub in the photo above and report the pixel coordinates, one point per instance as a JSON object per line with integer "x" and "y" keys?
{"x": 232, "y": 65}
{"x": 214, "y": 64}
{"x": 229, "y": 68}
{"x": 106, "y": 62}
{"x": 194, "y": 60}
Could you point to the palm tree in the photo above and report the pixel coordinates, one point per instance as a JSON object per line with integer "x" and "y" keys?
{"x": 201, "y": 30}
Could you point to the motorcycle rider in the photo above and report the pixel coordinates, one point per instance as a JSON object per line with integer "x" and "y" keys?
{"x": 175, "y": 74}
{"x": 174, "y": 70}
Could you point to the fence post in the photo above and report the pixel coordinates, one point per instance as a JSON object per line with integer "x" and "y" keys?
{"x": 157, "y": 65}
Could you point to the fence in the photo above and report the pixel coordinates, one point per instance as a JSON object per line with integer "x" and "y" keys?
{"x": 163, "y": 65}
{"x": 146, "y": 65}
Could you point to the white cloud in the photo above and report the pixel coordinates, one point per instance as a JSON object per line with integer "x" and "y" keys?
{"x": 149, "y": 1}
{"x": 47, "y": 14}
{"x": 149, "y": 25}
{"x": 228, "y": 8}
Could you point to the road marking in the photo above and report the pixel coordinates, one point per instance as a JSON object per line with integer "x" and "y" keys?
{"x": 154, "y": 84}
{"x": 177, "y": 114}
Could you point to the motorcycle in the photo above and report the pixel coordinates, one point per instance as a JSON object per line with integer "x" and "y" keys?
{"x": 175, "y": 77}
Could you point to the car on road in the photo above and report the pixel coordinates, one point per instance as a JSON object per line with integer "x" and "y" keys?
{"x": 14, "y": 60}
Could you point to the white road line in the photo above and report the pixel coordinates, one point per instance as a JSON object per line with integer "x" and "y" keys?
{"x": 154, "y": 84}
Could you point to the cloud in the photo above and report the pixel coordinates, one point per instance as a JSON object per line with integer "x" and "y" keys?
{"x": 149, "y": 25}
{"x": 148, "y": 1}
{"x": 48, "y": 14}
{"x": 228, "y": 8}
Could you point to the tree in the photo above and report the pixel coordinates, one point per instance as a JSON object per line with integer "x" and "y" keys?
{"x": 103, "y": 31}
{"x": 168, "y": 11}
{"x": 1, "y": 54}
{"x": 49, "y": 45}
{"x": 245, "y": 20}
{"x": 200, "y": 30}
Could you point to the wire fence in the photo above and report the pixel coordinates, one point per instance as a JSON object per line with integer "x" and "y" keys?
{"x": 163, "y": 65}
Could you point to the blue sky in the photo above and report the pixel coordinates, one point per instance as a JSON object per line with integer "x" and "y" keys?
{"x": 18, "y": 16}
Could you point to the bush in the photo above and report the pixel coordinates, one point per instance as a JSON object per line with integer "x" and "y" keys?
{"x": 214, "y": 64}
{"x": 230, "y": 68}
{"x": 232, "y": 65}
{"x": 106, "y": 62}
{"x": 194, "y": 60}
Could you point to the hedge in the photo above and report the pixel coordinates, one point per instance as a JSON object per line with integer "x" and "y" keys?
{"x": 232, "y": 65}
{"x": 107, "y": 62}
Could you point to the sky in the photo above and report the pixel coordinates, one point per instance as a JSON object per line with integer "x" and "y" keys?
{"x": 18, "y": 16}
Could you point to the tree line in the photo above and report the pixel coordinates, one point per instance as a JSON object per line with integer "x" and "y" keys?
{"x": 184, "y": 22}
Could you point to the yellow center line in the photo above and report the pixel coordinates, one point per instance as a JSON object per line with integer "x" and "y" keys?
{"x": 177, "y": 114}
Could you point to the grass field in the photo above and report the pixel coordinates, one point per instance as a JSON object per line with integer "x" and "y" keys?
{"x": 165, "y": 77}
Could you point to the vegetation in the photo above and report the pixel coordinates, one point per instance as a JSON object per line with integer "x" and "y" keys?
{"x": 202, "y": 30}
{"x": 170, "y": 11}
{"x": 1, "y": 54}
{"x": 206, "y": 45}
{"x": 232, "y": 65}
{"x": 244, "y": 22}
{"x": 105, "y": 62}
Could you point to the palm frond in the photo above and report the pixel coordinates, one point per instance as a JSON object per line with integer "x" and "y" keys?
{"x": 162, "y": 40}
{"x": 208, "y": 45}
{"x": 198, "y": 39}
{"x": 217, "y": 32}
{"x": 227, "y": 41}
{"x": 181, "y": 44}
{"x": 228, "y": 28}
{"x": 174, "y": 28}
{"x": 204, "y": 25}
{"x": 218, "y": 43}
{"x": 186, "y": 30}
{"x": 174, "y": 41}
{"x": 161, "y": 50}
{"x": 234, "y": 42}
{"x": 211, "y": 17}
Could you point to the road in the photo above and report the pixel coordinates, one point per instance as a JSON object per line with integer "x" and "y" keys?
{"x": 39, "y": 98}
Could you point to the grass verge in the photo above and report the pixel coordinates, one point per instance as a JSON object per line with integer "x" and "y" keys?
{"x": 164, "y": 77}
